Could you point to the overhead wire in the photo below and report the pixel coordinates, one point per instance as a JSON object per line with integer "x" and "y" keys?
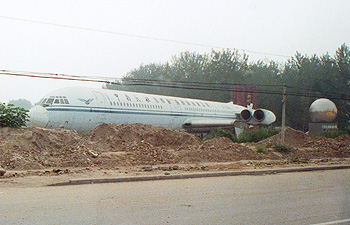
{"x": 141, "y": 36}
{"x": 164, "y": 84}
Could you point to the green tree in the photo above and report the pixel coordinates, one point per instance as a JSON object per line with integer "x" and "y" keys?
{"x": 11, "y": 116}
{"x": 184, "y": 72}
{"x": 342, "y": 60}
{"x": 267, "y": 78}
{"x": 210, "y": 77}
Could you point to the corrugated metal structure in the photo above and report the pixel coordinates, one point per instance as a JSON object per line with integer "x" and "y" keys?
{"x": 244, "y": 95}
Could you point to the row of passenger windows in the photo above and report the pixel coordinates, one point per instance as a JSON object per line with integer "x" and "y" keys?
{"x": 183, "y": 102}
{"x": 165, "y": 100}
{"x": 63, "y": 100}
{"x": 136, "y": 105}
{"x": 206, "y": 110}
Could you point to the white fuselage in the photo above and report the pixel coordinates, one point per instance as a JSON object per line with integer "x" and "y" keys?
{"x": 83, "y": 109}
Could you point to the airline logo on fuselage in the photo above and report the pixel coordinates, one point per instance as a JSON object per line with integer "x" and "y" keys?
{"x": 86, "y": 101}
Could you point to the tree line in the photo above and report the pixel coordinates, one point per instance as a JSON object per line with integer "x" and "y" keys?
{"x": 211, "y": 76}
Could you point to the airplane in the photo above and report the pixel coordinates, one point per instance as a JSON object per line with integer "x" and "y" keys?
{"x": 82, "y": 109}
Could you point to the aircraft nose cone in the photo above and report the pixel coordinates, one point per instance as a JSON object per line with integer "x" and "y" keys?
{"x": 38, "y": 116}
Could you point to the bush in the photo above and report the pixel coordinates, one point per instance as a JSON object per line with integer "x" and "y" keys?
{"x": 11, "y": 116}
{"x": 256, "y": 135}
{"x": 222, "y": 133}
{"x": 335, "y": 133}
{"x": 283, "y": 148}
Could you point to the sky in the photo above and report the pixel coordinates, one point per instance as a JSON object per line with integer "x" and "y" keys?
{"x": 109, "y": 38}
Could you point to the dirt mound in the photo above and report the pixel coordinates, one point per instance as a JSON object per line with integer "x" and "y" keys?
{"x": 343, "y": 138}
{"x": 110, "y": 146}
{"x": 293, "y": 138}
{"x": 309, "y": 146}
{"x": 219, "y": 149}
{"x": 40, "y": 148}
{"x": 117, "y": 135}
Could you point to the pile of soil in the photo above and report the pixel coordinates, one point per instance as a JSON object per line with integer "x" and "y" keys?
{"x": 111, "y": 146}
{"x": 38, "y": 148}
{"x": 307, "y": 146}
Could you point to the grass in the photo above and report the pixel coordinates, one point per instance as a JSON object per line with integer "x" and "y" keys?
{"x": 257, "y": 134}
{"x": 254, "y": 135}
{"x": 335, "y": 133}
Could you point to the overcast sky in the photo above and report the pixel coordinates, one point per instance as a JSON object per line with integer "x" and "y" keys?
{"x": 266, "y": 26}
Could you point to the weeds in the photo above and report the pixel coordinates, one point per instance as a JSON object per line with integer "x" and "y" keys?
{"x": 260, "y": 149}
{"x": 254, "y": 135}
{"x": 283, "y": 148}
{"x": 335, "y": 133}
{"x": 296, "y": 159}
{"x": 222, "y": 133}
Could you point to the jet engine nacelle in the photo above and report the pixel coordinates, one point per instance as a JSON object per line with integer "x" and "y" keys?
{"x": 259, "y": 116}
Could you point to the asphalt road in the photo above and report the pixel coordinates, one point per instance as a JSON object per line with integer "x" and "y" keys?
{"x": 292, "y": 198}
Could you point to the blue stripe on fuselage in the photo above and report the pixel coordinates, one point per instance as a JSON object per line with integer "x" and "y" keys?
{"x": 133, "y": 111}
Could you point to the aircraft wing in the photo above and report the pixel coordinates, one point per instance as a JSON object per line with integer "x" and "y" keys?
{"x": 202, "y": 125}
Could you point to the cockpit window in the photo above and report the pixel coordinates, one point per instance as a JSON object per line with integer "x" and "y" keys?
{"x": 50, "y": 100}
{"x": 54, "y": 100}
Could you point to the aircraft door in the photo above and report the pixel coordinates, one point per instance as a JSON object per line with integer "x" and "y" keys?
{"x": 100, "y": 98}
{"x": 101, "y": 102}
{"x": 176, "y": 112}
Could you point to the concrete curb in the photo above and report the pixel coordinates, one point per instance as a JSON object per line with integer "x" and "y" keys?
{"x": 196, "y": 175}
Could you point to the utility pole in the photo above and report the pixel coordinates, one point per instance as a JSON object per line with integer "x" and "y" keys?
{"x": 283, "y": 114}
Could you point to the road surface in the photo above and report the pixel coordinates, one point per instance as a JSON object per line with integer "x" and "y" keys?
{"x": 292, "y": 198}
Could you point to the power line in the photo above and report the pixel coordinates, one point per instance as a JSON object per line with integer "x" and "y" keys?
{"x": 140, "y": 36}
{"x": 159, "y": 83}
{"x": 195, "y": 83}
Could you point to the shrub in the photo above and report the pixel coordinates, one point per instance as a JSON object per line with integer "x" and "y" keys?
{"x": 11, "y": 116}
{"x": 254, "y": 135}
{"x": 297, "y": 159}
{"x": 257, "y": 134}
{"x": 260, "y": 149}
{"x": 283, "y": 148}
{"x": 222, "y": 133}
{"x": 335, "y": 133}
